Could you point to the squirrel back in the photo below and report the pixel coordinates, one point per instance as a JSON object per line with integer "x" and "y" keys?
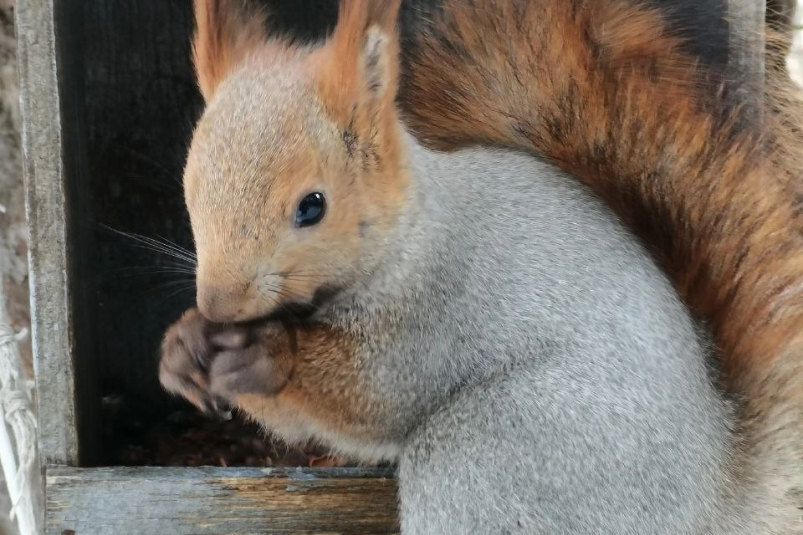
{"x": 476, "y": 316}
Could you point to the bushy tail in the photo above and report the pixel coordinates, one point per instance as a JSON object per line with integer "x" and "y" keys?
{"x": 608, "y": 93}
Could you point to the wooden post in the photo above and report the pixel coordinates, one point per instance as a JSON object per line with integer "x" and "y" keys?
{"x": 46, "y": 206}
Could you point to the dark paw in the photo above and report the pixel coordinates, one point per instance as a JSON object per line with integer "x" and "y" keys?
{"x": 211, "y": 364}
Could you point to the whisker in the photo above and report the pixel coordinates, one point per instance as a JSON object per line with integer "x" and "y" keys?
{"x": 178, "y": 285}
{"x": 302, "y": 272}
{"x": 152, "y": 269}
{"x": 313, "y": 278}
{"x": 168, "y": 284}
{"x": 161, "y": 245}
{"x": 184, "y": 277}
{"x": 173, "y": 295}
{"x": 171, "y": 246}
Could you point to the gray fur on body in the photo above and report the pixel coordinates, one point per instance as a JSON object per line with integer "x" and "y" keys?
{"x": 538, "y": 373}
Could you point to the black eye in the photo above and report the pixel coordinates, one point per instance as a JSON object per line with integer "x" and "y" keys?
{"x": 310, "y": 210}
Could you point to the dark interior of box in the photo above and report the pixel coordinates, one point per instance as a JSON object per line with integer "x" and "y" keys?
{"x": 129, "y": 102}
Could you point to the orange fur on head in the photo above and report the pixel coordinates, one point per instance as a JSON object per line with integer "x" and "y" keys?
{"x": 291, "y": 120}
{"x": 356, "y": 76}
{"x": 358, "y": 63}
{"x": 226, "y": 32}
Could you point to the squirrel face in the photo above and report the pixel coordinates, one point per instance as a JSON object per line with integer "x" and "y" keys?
{"x": 293, "y": 179}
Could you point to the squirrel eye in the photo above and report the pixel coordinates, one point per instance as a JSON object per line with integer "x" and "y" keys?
{"x": 310, "y": 210}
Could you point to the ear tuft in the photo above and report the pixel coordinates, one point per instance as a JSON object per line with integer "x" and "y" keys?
{"x": 226, "y": 32}
{"x": 383, "y": 14}
{"x": 361, "y": 56}
{"x": 377, "y": 63}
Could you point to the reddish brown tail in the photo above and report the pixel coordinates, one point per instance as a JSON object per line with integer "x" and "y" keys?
{"x": 606, "y": 93}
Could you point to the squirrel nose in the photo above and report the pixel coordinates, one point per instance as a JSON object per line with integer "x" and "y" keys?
{"x": 223, "y": 305}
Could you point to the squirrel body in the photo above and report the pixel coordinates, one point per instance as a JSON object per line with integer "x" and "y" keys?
{"x": 477, "y": 316}
{"x": 555, "y": 350}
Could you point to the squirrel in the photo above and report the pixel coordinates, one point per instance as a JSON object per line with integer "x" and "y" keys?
{"x": 629, "y": 97}
{"x": 477, "y": 316}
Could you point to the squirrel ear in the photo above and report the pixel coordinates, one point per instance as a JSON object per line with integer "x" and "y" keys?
{"x": 378, "y": 63}
{"x": 361, "y": 56}
{"x": 380, "y": 47}
{"x": 226, "y": 32}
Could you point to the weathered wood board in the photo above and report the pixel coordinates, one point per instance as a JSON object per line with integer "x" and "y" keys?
{"x": 48, "y": 224}
{"x": 217, "y": 501}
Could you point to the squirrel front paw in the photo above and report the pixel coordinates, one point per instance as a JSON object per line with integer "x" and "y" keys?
{"x": 212, "y": 364}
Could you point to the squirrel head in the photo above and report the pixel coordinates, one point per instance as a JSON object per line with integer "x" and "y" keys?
{"x": 295, "y": 175}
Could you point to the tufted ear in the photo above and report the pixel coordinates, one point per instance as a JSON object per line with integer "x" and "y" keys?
{"x": 227, "y": 31}
{"x": 361, "y": 57}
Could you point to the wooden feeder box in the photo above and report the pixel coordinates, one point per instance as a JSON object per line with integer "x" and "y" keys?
{"x": 109, "y": 101}
{"x": 109, "y": 104}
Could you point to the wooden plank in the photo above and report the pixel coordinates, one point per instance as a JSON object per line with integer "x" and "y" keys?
{"x": 205, "y": 501}
{"x": 47, "y": 223}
